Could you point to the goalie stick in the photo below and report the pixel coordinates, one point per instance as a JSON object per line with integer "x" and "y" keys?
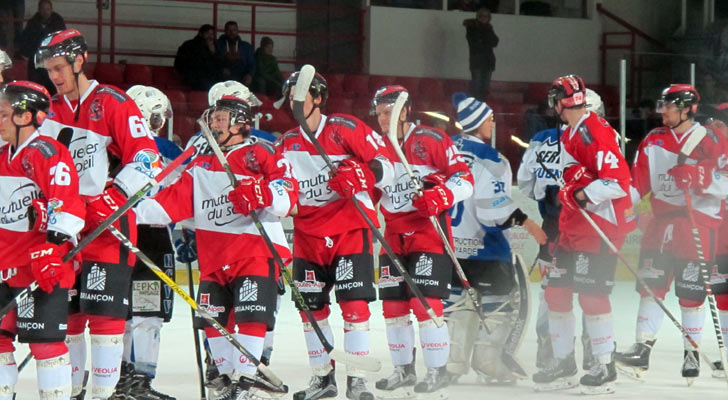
{"x": 367, "y": 363}
{"x": 686, "y": 149}
{"x": 130, "y": 202}
{"x": 272, "y": 381}
{"x": 634, "y": 272}
{"x": 305, "y": 78}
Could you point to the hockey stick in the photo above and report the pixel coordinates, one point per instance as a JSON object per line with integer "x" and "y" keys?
{"x": 198, "y": 354}
{"x": 367, "y": 363}
{"x": 105, "y": 224}
{"x": 304, "y": 82}
{"x": 515, "y": 336}
{"x": 634, "y": 272}
{"x": 690, "y": 144}
{"x": 273, "y": 381}
{"x": 22, "y": 365}
{"x": 394, "y": 140}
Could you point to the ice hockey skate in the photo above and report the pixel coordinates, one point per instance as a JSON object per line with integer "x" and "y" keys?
{"x": 718, "y": 372}
{"x": 559, "y": 375}
{"x": 126, "y": 380}
{"x": 141, "y": 389}
{"x": 356, "y": 389}
{"x": 599, "y": 380}
{"x": 691, "y": 366}
{"x": 399, "y": 385}
{"x": 432, "y": 387}
{"x": 320, "y": 387}
{"x": 635, "y": 362}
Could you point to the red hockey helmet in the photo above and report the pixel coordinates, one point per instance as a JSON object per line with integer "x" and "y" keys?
{"x": 387, "y": 95}
{"x": 26, "y": 96}
{"x": 318, "y": 87}
{"x": 569, "y": 91}
{"x": 682, "y": 95}
{"x": 68, "y": 43}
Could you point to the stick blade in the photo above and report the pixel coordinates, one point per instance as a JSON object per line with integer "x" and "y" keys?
{"x": 272, "y": 378}
{"x": 366, "y": 363}
{"x": 394, "y": 118}
{"x": 305, "y": 77}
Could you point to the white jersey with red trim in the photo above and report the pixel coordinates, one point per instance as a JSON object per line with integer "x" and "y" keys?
{"x": 593, "y": 144}
{"x": 321, "y": 211}
{"x": 109, "y": 123}
{"x": 201, "y": 193}
{"x": 428, "y": 151}
{"x": 658, "y": 152}
{"x": 41, "y": 168}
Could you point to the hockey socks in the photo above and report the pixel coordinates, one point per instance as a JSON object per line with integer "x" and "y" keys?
{"x": 221, "y": 351}
{"x": 54, "y": 377}
{"x": 649, "y": 319}
{"x": 693, "y": 319}
{"x": 77, "y": 352}
{"x": 561, "y": 327}
{"x": 8, "y": 375}
{"x": 601, "y": 332}
{"x": 106, "y": 351}
{"x": 356, "y": 341}
{"x": 318, "y": 358}
{"x": 401, "y": 339}
{"x": 435, "y": 344}
{"x": 141, "y": 343}
{"x": 241, "y": 364}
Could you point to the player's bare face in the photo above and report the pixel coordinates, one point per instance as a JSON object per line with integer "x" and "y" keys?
{"x": 671, "y": 115}
{"x": 384, "y": 114}
{"x": 7, "y": 128}
{"x": 220, "y": 124}
{"x": 307, "y": 103}
{"x": 60, "y": 73}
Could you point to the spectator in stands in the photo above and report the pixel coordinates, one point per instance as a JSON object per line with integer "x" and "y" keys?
{"x": 481, "y": 41}
{"x": 238, "y": 61}
{"x": 44, "y": 21}
{"x": 197, "y": 61}
{"x": 268, "y": 79}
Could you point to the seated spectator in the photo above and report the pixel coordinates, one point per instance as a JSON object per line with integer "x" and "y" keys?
{"x": 44, "y": 21}
{"x": 196, "y": 60}
{"x": 238, "y": 61}
{"x": 268, "y": 79}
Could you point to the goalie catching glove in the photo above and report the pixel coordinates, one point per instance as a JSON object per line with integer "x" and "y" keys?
{"x": 435, "y": 198}
{"x": 250, "y": 194}
{"x": 351, "y": 177}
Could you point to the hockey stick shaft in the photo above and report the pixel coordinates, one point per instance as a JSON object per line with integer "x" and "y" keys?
{"x": 634, "y": 272}
{"x": 363, "y": 362}
{"x": 392, "y": 135}
{"x": 304, "y": 81}
{"x": 198, "y": 354}
{"x": 272, "y": 378}
{"x": 105, "y": 224}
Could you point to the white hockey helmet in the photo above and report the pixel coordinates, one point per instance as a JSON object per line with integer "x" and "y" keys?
{"x": 594, "y": 103}
{"x": 231, "y": 88}
{"x": 5, "y": 61}
{"x": 153, "y": 104}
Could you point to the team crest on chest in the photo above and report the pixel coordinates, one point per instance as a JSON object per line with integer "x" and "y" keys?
{"x": 96, "y": 110}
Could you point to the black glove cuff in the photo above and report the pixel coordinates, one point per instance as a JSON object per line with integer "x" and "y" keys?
{"x": 517, "y": 217}
{"x": 57, "y": 238}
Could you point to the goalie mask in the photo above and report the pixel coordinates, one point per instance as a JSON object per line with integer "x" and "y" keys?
{"x": 569, "y": 91}
{"x": 232, "y": 88}
{"x": 153, "y": 104}
{"x": 228, "y": 112}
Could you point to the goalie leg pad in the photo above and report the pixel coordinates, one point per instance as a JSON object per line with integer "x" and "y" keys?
{"x": 463, "y": 328}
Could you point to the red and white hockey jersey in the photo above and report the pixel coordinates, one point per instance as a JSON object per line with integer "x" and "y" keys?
{"x": 201, "y": 193}
{"x": 428, "y": 150}
{"x": 109, "y": 122}
{"x": 592, "y": 143}
{"x": 40, "y": 168}
{"x": 659, "y": 151}
{"x": 321, "y": 211}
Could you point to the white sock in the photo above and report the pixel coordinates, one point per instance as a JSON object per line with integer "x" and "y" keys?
{"x": 561, "y": 327}
{"x": 601, "y": 332}
{"x": 242, "y": 365}
{"x": 542, "y": 319}
{"x": 401, "y": 339}
{"x": 8, "y": 376}
{"x": 126, "y": 355}
{"x": 145, "y": 343}
{"x": 77, "y": 351}
{"x": 221, "y": 351}
{"x": 106, "y": 353}
{"x": 649, "y": 319}
{"x": 723, "y": 315}
{"x": 318, "y": 358}
{"x": 54, "y": 377}
{"x": 693, "y": 319}
{"x": 268, "y": 345}
{"x": 435, "y": 344}
{"x": 356, "y": 341}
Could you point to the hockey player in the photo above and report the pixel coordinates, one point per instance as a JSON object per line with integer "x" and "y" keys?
{"x": 104, "y": 130}
{"x": 668, "y": 247}
{"x": 447, "y": 180}
{"x": 596, "y": 180}
{"x": 535, "y": 183}
{"x": 332, "y": 243}
{"x": 42, "y": 215}
{"x": 478, "y": 229}
{"x": 5, "y": 63}
{"x": 151, "y": 299}
{"x": 237, "y": 270}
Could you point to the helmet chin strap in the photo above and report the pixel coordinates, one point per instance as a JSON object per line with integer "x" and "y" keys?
{"x": 17, "y": 133}
{"x": 681, "y": 121}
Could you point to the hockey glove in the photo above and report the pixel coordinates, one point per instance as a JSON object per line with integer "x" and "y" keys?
{"x": 691, "y": 176}
{"x": 579, "y": 174}
{"x": 102, "y": 206}
{"x": 38, "y": 216}
{"x": 567, "y": 196}
{"x": 186, "y": 251}
{"x": 351, "y": 177}
{"x": 48, "y": 267}
{"x": 433, "y": 201}
{"x": 250, "y": 194}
